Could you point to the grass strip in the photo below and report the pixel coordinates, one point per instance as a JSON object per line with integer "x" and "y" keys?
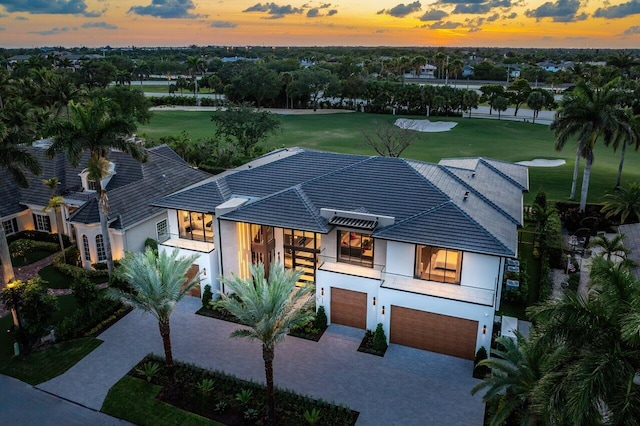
{"x": 134, "y": 400}
{"x": 38, "y": 367}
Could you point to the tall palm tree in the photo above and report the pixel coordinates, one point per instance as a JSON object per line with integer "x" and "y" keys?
{"x": 633, "y": 138}
{"x": 94, "y": 128}
{"x": 158, "y": 282}
{"x": 589, "y": 114}
{"x": 16, "y": 160}
{"x": 623, "y": 61}
{"x": 270, "y": 308}
{"x": 196, "y": 65}
{"x": 55, "y": 202}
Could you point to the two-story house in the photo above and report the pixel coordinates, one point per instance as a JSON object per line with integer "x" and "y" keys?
{"x": 418, "y": 247}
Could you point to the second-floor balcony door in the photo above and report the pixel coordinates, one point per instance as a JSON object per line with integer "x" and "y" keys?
{"x": 263, "y": 246}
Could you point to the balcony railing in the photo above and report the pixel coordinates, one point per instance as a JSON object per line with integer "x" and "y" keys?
{"x": 174, "y": 240}
{"x": 333, "y": 264}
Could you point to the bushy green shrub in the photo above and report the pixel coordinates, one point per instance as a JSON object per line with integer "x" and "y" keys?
{"x": 379, "y": 339}
{"x": 22, "y": 247}
{"x": 541, "y": 200}
{"x": 207, "y": 297}
{"x": 38, "y": 236}
{"x": 480, "y": 372}
{"x": 72, "y": 266}
{"x": 151, "y": 243}
{"x": 79, "y": 324}
{"x": 85, "y": 292}
{"x": 320, "y": 321}
{"x": 553, "y": 240}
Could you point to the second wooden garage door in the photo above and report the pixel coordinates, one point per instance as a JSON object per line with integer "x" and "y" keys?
{"x": 348, "y": 308}
{"x": 433, "y": 332}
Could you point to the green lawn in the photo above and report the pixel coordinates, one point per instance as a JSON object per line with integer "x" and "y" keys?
{"x": 502, "y": 140}
{"x": 56, "y": 279}
{"x": 32, "y": 257}
{"x": 38, "y": 367}
{"x": 135, "y": 400}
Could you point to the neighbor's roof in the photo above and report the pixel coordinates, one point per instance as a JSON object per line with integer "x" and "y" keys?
{"x": 131, "y": 190}
{"x": 470, "y": 204}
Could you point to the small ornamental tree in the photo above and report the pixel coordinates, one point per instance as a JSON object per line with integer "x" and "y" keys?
{"x": 379, "y": 339}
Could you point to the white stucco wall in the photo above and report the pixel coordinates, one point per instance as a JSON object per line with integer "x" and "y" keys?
{"x": 135, "y": 236}
{"x": 203, "y": 260}
{"x": 229, "y": 250}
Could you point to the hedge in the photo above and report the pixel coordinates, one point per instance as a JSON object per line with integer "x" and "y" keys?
{"x": 37, "y": 236}
{"x": 20, "y": 248}
{"x": 72, "y": 270}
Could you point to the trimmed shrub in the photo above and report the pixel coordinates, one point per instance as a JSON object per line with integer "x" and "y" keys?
{"x": 151, "y": 243}
{"x": 320, "y": 321}
{"x": 85, "y": 292}
{"x": 379, "y": 339}
{"x": 72, "y": 267}
{"x": 22, "y": 247}
{"x": 38, "y": 236}
{"x": 482, "y": 371}
{"x": 207, "y": 297}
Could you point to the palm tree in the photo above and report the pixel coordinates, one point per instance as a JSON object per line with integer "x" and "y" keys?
{"x": 535, "y": 100}
{"x": 196, "y": 65}
{"x": 158, "y": 282}
{"x": 470, "y": 100}
{"x": 417, "y": 63}
{"x": 55, "y": 201}
{"x": 623, "y": 61}
{"x": 633, "y": 138}
{"x": 516, "y": 372}
{"x": 95, "y": 129}
{"x": 16, "y": 160}
{"x": 599, "y": 334}
{"x": 270, "y": 308}
{"x": 611, "y": 247}
{"x": 623, "y": 201}
{"x": 589, "y": 114}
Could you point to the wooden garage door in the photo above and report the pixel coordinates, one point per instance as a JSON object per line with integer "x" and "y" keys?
{"x": 433, "y": 332}
{"x": 192, "y": 272}
{"x": 349, "y": 308}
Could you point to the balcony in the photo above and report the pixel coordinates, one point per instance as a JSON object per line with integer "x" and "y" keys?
{"x": 464, "y": 293}
{"x": 174, "y": 240}
{"x": 331, "y": 264}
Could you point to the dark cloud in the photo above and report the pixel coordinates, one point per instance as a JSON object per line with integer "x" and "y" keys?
{"x": 101, "y": 24}
{"x": 52, "y": 31}
{"x": 167, "y": 9}
{"x": 632, "y": 30}
{"x": 493, "y": 17}
{"x": 223, "y": 24}
{"x": 472, "y": 8}
{"x": 512, "y": 15}
{"x": 618, "y": 11}
{"x": 559, "y": 11}
{"x": 332, "y": 12}
{"x": 49, "y": 7}
{"x": 479, "y": 7}
{"x": 434, "y": 15}
{"x": 448, "y": 25}
{"x": 273, "y": 10}
{"x": 313, "y": 13}
{"x": 402, "y": 10}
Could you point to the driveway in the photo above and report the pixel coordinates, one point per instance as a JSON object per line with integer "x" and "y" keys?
{"x": 406, "y": 387}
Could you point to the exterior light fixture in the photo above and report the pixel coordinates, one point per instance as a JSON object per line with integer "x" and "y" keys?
{"x": 484, "y": 329}
{"x": 383, "y": 310}
{"x": 322, "y": 291}
{"x": 374, "y": 301}
{"x": 204, "y": 272}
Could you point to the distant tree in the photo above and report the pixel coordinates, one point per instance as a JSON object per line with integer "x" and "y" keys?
{"x": 312, "y": 82}
{"x": 127, "y": 102}
{"x": 196, "y": 65}
{"x": 499, "y": 103}
{"x": 245, "y": 126}
{"x": 389, "y": 140}
{"x": 470, "y": 100}
{"x": 490, "y": 92}
{"x": 518, "y": 92}
{"x": 535, "y": 101}
{"x": 624, "y": 62}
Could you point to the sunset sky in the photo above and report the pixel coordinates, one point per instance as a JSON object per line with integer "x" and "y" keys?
{"x": 512, "y": 23}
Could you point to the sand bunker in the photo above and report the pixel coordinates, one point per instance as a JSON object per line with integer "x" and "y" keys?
{"x": 425, "y": 125}
{"x": 541, "y": 162}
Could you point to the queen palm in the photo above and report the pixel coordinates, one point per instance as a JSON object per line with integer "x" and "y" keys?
{"x": 196, "y": 65}
{"x": 55, "y": 201}
{"x": 93, "y": 128}
{"x": 589, "y": 114}
{"x": 158, "y": 282}
{"x": 15, "y": 160}
{"x": 623, "y": 201}
{"x": 270, "y": 308}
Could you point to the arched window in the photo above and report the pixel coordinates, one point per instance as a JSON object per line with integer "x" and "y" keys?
{"x": 85, "y": 246}
{"x": 102, "y": 255}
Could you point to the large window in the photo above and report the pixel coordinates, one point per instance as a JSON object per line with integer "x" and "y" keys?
{"x": 301, "y": 250}
{"x": 195, "y": 225}
{"x": 85, "y": 247}
{"x": 356, "y": 248}
{"x": 41, "y": 222}
{"x": 438, "y": 264}
{"x": 10, "y": 226}
{"x": 102, "y": 254}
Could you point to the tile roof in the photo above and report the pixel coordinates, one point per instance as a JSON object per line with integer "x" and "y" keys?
{"x": 436, "y": 203}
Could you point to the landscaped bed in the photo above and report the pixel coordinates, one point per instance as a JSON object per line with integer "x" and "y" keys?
{"x": 217, "y": 396}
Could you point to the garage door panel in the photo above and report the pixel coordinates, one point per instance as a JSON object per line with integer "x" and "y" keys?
{"x": 349, "y": 308}
{"x": 193, "y": 271}
{"x": 433, "y": 332}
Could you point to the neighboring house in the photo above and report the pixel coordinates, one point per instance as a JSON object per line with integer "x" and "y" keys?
{"x": 549, "y": 66}
{"x": 131, "y": 187}
{"x": 467, "y": 71}
{"x": 418, "y": 247}
{"x": 426, "y": 71}
{"x": 514, "y": 71}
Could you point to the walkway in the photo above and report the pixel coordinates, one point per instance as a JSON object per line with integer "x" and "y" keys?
{"x": 21, "y": 404}
{"x": 406, "y": 387}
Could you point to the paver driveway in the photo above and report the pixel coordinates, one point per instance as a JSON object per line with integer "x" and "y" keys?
{"x": 406, "y": 387}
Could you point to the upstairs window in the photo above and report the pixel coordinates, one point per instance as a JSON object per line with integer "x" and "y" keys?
{"x": 356, "y": 248}
{"x": 41, "y": 222}
{"x": 438, "y": 264}
{"x": 162, "y": 230}
{"x": 195, "y": 226}
{"x": 85, "y": 247}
